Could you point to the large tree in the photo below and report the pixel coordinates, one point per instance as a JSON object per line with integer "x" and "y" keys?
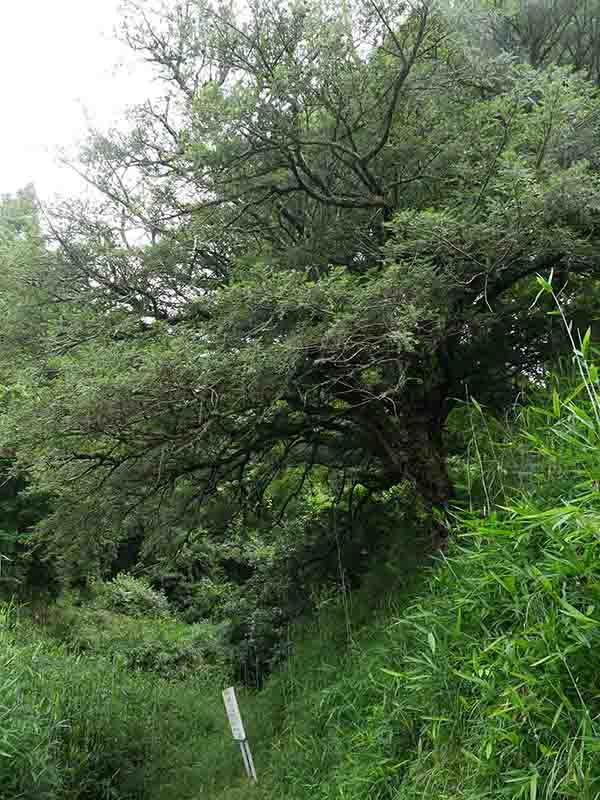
{"x": 325, "y": 232}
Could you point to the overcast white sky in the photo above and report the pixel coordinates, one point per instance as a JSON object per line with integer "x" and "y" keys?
{"x": 58, "y": 61}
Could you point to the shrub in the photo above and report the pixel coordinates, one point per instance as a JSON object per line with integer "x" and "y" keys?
{"x": 167, "y": 659}
{"x": 163, "y": 646}
{"x": 129, "y": 595}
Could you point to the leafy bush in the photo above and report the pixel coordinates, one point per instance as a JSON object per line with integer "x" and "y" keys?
{"x": 163, "y": 645}
{"x": 167, "y": 659}
{"x": 129, "y": 595}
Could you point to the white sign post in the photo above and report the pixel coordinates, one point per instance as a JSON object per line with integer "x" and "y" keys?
{"x": 237, "y": 729}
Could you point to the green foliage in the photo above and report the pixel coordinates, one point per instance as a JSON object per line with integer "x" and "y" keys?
{"x": 482, "y": 681}
{"x": 477, "y": 678}
{"x": 335, "y": 240}
{"x": 158, "y": 645}
{"x": 256, "y": 574}
{"x": 134, "y": 596}
{"x": 238, "y": 370}
{"x": 24, "y": 571}
{"x": 86, "y": 727}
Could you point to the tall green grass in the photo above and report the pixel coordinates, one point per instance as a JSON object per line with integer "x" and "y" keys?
{"x": 486, "y": 683}
{"x": 86, "y": 727}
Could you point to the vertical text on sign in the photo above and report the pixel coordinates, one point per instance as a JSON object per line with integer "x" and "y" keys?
{"x": 233, "y": 714}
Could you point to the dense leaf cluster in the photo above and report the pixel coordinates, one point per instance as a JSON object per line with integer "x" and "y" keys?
{"x": 290, "y": 267}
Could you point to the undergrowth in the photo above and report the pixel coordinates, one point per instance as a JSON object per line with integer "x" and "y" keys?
{"x": 476, "y": 678}
{"x": 486, "y": 684}
{"x": 84, "y": 727}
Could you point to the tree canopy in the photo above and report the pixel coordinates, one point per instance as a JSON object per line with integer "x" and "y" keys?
{"x": 323, "y": 235}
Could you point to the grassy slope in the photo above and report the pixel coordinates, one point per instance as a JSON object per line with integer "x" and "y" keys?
{"x": 486, "y": 687}
{"x": 482, "y": 681}
{"x": 478, "y": 679}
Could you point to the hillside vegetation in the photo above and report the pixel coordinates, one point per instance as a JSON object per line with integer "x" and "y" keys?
{"x": 476, "y": 677}
{"x": 301, "y": 396}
